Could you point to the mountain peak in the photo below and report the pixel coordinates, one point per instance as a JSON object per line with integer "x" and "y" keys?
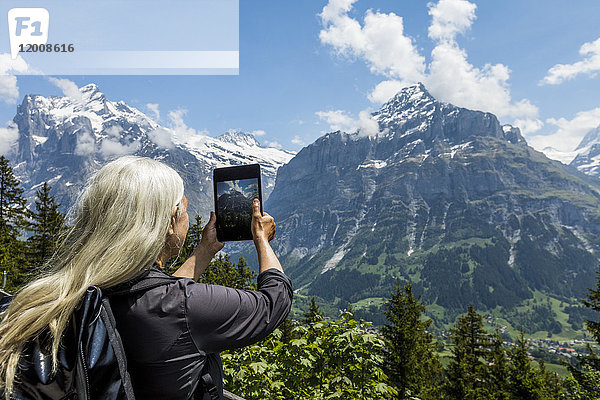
{"x": 90, "y": 87}
{"x": 91, "y": 92}
{"x": 411, "y": 96}
{"x": 592, "y": 137}
{"x": 238, "y": 137}
{"x": 411, "y": 103}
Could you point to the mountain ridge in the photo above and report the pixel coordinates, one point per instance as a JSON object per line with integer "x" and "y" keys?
{"x": 62, "y": 140}
{"x": 448, "y": 192}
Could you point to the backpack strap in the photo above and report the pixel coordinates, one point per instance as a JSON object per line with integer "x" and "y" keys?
{"x": 109, "y": 322}
{"x": 210, "y": 386}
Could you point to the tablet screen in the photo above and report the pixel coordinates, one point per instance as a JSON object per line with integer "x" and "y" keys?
{"x": 234, "y": 207}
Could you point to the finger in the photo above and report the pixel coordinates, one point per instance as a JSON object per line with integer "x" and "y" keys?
{"x": 213, "y": 218}
{"x": 256, "y": 208}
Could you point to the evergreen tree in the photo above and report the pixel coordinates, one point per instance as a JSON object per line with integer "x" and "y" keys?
{"x": 13, "y": 212}
{"x": 584, "y": 382}
{"x": 467, "y": 371}
{"x": 13, "y": 219}
{"x": 499, "y": 369}
{"x": 244, "y": 275}
{"x": 553, "y": 385}
{"x": 287, "y": 330}
{"x": 593, "y": 302}
{"x": 46, "y": 226}
{"x": 222, "y": 271}
{"x": 313, "y": 314}
{"x": 525, "y": 382}
{"x": 409, "y": 355}
{"x": 192, "y": 240}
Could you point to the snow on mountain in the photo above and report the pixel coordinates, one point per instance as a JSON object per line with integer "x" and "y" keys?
{"x": 235, "y": 148}
{"x": 587, "y": 158}
{"x": 64, "y": 139}
{"x": 411, "y": 103}
{"x": 564, "y": 157}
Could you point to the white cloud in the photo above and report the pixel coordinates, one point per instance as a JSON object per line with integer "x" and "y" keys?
{"x": 528, "y": 125}
{"x": 86, "y": 143}
{"x": 8, "y": 138}
{"x": 367, "y": 125}
{"x": 380, "y": 41}
{"x": 364, "y": 125}
{"x": 338, "y": 120}
{"x": 296, "y": 140}
{"x": 114, "y": 131}
{"x": 382, "y": 44}
{"x": 153, "y": 107}
{"x": 258, "y": 132}
{"x": 449, "y": 18}
{"x": 273, "y": 143}
{"x": 180, "y": 129}
{"x": 162, "y": 137}
{"x": 569, "y": 133}
{"x": 69, "y": 88}
{"x": 385, "y": 90}
{"x": 9, "y": 90}
{"x": 112, "y": 148}
{"x": 454, "y": 80}
{"x": 589, "y": 65}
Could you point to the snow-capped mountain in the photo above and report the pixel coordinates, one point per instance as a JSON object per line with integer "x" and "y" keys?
{"x": 588, "y": 153}
{"x": 62, "y": 140}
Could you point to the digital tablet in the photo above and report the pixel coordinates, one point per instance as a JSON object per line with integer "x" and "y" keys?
{"x": 235, "y": 189}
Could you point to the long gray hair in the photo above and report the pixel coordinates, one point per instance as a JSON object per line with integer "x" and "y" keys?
{"x": 121, "y": 220}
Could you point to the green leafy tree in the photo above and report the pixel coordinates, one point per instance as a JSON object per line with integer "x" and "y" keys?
{"x": 467, "y": 371}
{"x": 13, "y": 220}
{"x": 327, "y": 360}
{"x": 409, "y": 356}
{"x": 47, "y": 224}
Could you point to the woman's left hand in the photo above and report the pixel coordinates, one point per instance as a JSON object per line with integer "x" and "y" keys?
{"x": 209, "y": 240}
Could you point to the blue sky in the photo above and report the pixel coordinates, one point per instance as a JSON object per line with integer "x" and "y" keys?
{"x": 309, "y": 67}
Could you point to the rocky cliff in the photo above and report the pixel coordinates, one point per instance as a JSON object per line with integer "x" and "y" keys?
{"x": 443, "y": 197}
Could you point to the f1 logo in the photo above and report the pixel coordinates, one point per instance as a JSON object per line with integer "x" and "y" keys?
{"x": 27, "y": 26}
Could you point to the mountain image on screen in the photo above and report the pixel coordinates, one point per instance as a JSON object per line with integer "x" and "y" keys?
{"x": 234, "y": 204}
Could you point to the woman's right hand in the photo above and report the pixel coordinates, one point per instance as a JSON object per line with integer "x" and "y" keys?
{"x": 263, "y": 225}
{"x": 263, "y": 230}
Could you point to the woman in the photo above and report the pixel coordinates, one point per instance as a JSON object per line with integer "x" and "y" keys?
{"x": 132, "y": 217}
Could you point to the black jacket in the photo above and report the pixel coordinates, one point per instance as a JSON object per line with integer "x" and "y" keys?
{"x": 172, "y": 334}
